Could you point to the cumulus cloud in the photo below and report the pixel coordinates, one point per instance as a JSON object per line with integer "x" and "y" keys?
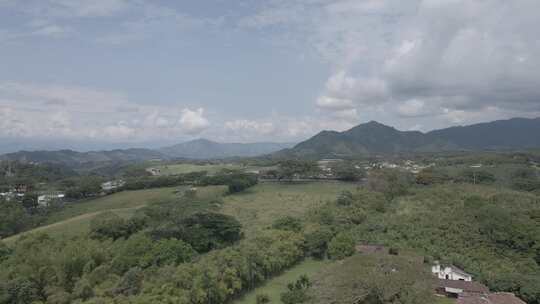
{"x": 72, "y": 8}
{"x": 79, "y": 113}
{"x": 52, "y": 31}
{"x": 469, "y": 59}
{"x": 193, "y": 121}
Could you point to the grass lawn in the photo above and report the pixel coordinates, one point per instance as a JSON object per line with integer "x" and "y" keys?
{"x": 274, "y": 287}
{"x": 120, "y": 200}
{"x": 259, "y": 206}
{"x": 75, "y": 219}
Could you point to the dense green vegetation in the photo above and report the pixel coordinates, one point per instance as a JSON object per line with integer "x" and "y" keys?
{"x": 215, "y": 244}
{"x": 374, "y": 138}
{"x": 373, "y": 279}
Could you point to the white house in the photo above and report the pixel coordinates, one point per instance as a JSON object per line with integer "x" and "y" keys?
{"x": 450, "y": 273}
{"x": 45, "y": 199}
{"x": 112, "y": 185}
{"x": 154, "y": 171}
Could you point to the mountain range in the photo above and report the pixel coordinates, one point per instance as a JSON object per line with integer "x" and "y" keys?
{"x": 195, "y": 149}
{"x": 370, "y": 138}
{"x": 206, "y": 149}
{"x": 375, "y": 138}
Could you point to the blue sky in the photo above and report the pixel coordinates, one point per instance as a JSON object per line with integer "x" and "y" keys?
{"x": 136, "y": 72}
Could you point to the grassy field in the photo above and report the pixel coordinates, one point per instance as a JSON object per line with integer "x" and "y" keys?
{"x": 274, "y": 287}
{"x": 75, "y": 219}
{"x": 174, "y": 169}
{"x": 188, "y": 168}
{"x": 259, "y": 206}
{"x": 120, "y": 200}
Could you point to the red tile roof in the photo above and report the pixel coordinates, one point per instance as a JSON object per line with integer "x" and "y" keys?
{"x": 473, "y": 287}
{"x": 490, "y": 298}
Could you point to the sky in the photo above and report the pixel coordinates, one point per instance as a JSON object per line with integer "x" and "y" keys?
{"x": 88, "y": 74}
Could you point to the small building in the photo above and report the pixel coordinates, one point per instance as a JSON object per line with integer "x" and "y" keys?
{"x": 112, "y": 185}
{"x": 154, "y": 171}
{"x": 45, "y": 199}
{"x": 20, "y": 188}
{"x": 456, "y": 288}
{"x": 490, "y": 298}
{"x": 450, "y": 273}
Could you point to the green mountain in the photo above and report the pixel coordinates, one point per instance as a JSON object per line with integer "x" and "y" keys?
{"x": 74, "y": 158}
{"x": 375, "y": 138}
{"x": 206, "y": 149}
{"x": 196, "y": 149}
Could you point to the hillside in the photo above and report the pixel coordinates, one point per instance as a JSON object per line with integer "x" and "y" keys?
{"x": 196, "y": 149}
{"x": 375, "y": 138}
{"x": 206, "y": 149}
{"x": 74, "y": 158}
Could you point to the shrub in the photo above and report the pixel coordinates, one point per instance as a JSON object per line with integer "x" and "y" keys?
{"x": 288, "y": 223}
{"x": 110, "y": 225}
{"x": 345, "y": 198}
{"x": 262, "y": 298}
{"x": 341, "y": 246}
{"x": 317, "y": 242}
{"x": 131, "y": 283}
{"x": 297, "y": 292}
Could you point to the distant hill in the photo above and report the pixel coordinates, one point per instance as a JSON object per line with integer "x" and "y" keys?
{"x": 206, "y": 149}
{"x": 74, "y": 158}
{"x": 196, "y": 149}
{"x": 375, "y": 138}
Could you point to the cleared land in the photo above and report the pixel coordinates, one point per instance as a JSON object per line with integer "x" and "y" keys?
{"x": 189, "y": 168}
{"x": 75, "y": 219}
{"x": 175, "y": 169}
{"x": 259, "y": 206}
{"x": 274, "y": 287}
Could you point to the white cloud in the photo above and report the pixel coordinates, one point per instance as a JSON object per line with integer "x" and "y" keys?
{"x": 417, "y": 58}
{"x": 73, "y": 8}
{"x": 55, "y": 31}
{"x": 56, "y": 111}
{"x": 193, "y": 122}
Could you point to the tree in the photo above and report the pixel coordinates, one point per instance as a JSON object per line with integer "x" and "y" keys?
{"x": 291, "y": 169}
{"x": 525, "y": 179}
{"x": 341, "y": 246}
{"x": 84, "y": 187}
{"x": 317, "y": 242}
{"x": 430, "y": 176}
{"x": 13, "y": 218}
{"x": 474, "y": 176}
{"x": 167, "y": 252}
{"x": 262, "y": 299}
{"x": 205, "y": 231}
{"x": 110, "y": 225}
{"x": 30, "y": 201}
{"x": 239, "y": 184}
{"x": 131, "y": 282}
{"x": 347, "y": 171}
{"x": 297, "y": 292}
{"x": 288, "y": 223}
{"x": 345, "y": 198}
{"x": 390, "y": 182}
{"x": 5, "y": 251}
{"x": 83, "y": 290}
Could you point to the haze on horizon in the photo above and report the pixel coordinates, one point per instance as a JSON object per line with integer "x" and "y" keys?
{"x": 117, "y": 73}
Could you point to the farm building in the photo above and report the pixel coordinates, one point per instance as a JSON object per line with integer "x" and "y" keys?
{"x": 455, "y": 288}
{"x": 45, "y": 199}
{"x": 450, "y": 273}
{"x": 492, "y": 298}
{"x": 112, "y": 185}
